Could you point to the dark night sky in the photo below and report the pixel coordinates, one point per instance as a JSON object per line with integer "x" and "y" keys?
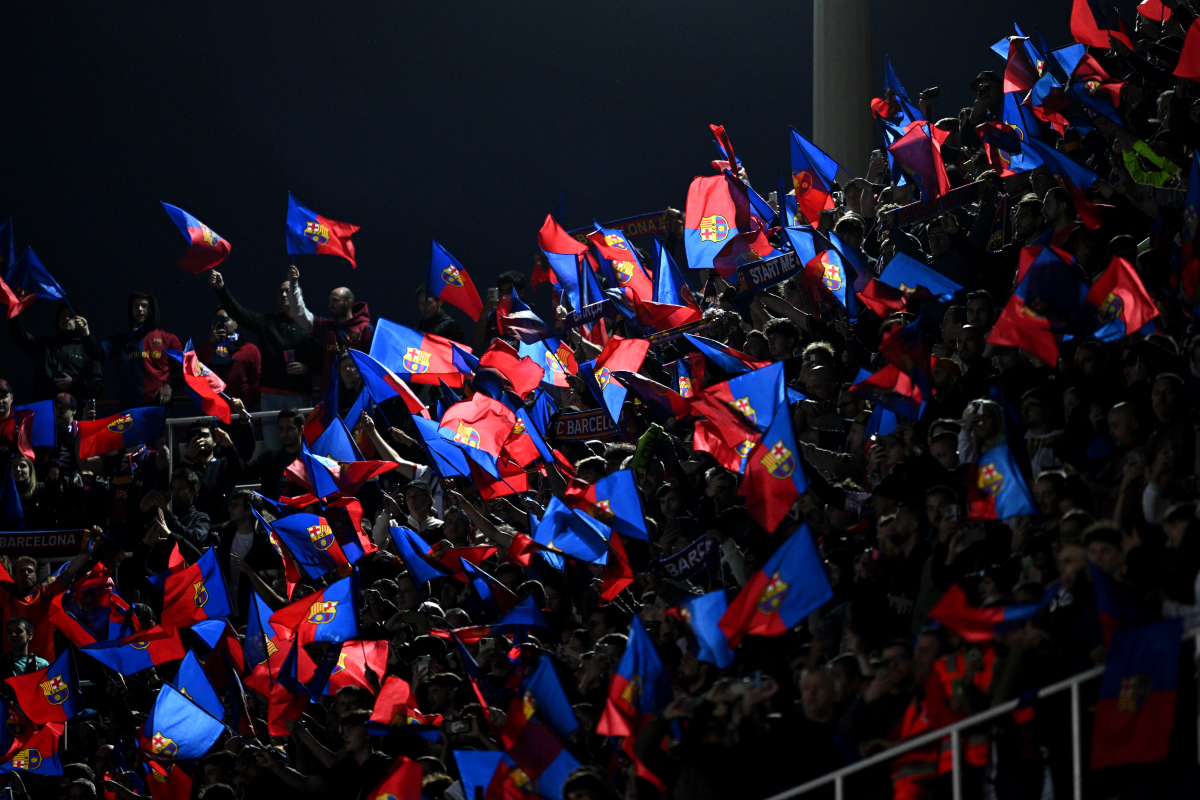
{"x": 462, "y": 122}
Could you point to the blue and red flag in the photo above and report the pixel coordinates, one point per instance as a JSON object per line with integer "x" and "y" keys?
{"x": 28, "y": 278}
{"x": 627, "y": 269}
{"x": 523, "y": 618}
{"x": 205, "y": 248}
{"x": 548, "y": 355}
{"x": 613, "y": 500}
{"x": 205, "y": 387}
{"x": 825, "y": 281}
{"x": 1116, "y": 604}
{"x": 996, "y": 489}
{"x": 639, "y": 689}
{"x": 448, "y": 281}
{"x": 719, "y": 225}
{"x": 311, "y": 542}
{"x": 572, "y": 532}
{"x": 908, "y": 275}
{"x": 919, "y": 152}
{"x": 329, "y": 615}
{"x": 310, "y": 233}
{"x": 1094, "y": 21}
{"x": 323, "y": 476}
{"x": 381, "y": 384}
{"x": 787, "y": 589}
{"x": 670, "y": 287}
{"x": 482, "y": 426}
{"x": 661, "y": 401}
{"x": 191, "y": 682}
{"x": 774, "y": 477}
{"x": 881, "y": 298}
{"x": 138, "y": 651}
{"x": 1119, "y": 302}
{"x": 177, "y": 729}
{"x": 422, "y": 357}
{"x": 37, "y": 754}
{"x": 524, "y": 373}
{"x": 725, "y": 357}
{"x": 976, "y": 624}
{"x": 565, "y": 254}
{"x": 618, "y": 355}
{"x": 729, "y": 161}
{"x": 703, "y": 613}
{"x": 1021, "y": 326}
{"x": 744, "y": 407}
{"x": 50, "y": 694}
{"x": 402, "y": 781}
{"x": 495, "y": 597}
{"x": 412, "y": 551}
{"x": 908, "y": 349}
{"x": 1136, "y": 708}
{"x": 193, "y": 594}
{"x": 813, "y": 175}
{"x": 128, "y": 429}
{"x": 541, "y": 694}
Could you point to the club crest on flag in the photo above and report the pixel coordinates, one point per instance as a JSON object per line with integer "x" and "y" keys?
{"x": 1135, "y": 691}
{"x": 199, "y": 593}
{"x": 685, "y": 387}
{"x": 991, "y": 480}
{"x": 121, "y": 423}
{"x": 452, "y": 276}
{"x": 615, "y": 241}
{"x": 520, "y": 779}
{"x": 416, "y": 361}
{"x": 317, "y": 232}
{"x": 553, "y": 365}
{"x": 779, "y": 461}
{"x": 321, "y": 536}
{"x": 55, "y": 689}
{"x": 272, "y": 649}
{"x": 161, "y": 745}
{"x": 624, "y": 271}
{"x": 742, "y": 406}
{"x": 802, "y": 182}
{"x": 1109, "y": 309}
{"x": 27, "y": 760}
{"x": 528, "y": 705}
{"x": 341, "y": 664}
{"x": 604, "y": 510}
{"x": 322, "y": 611}
{"x": 183, "y": 691}
{"x": 633, "y": 690}
{"x": 211, "y": 239}
{"x": 833, "y": 277}
{"x": 603, "y": 377}
{"x": 467, "y": 435}
{"x": 140, "y": 645}
{"x": 714, "y": 228}
{"x": 14, "y": 725}
{"x": 773, "y": 595}
{"x": 745, "y": 447}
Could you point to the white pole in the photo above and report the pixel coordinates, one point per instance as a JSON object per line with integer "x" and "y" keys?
{"x": 1076, "y": 742}
{"x": 956, "y": 762}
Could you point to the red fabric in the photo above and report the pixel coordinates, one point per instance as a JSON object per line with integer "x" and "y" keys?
{"x": 401, "y": 782}
{"x": 617, "y": 572}
{"x": 662, "y": 316}
{"x": 1121, "y": 279}
{"x": 768, "y": 498}
{"x": 746, "y": 616}
{"x": 1154, "y": 9}
{"x": 1019, "y": 74}
{"x": 16, "y": 304}
{"x": 1189, "y": 59}
{"x": 1085, "y": 30}
{"x": 973, "y": 624}
{"x": 35, "y": 607}
{"x": 1020, "y": 326}
{"x": 241, "y": 375}
{"x": 523, "y": 373}
{"x": 1139, "y": 737}
{"x": 881, "y": 298}
{"x": 356, "y": 331}
{"x": 207, "y": 387}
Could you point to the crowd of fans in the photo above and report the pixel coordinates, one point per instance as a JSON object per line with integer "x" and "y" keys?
{"x": 1106, "y": 440}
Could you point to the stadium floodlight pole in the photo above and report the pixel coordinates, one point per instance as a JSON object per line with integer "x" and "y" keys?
{"x": 841, "y": 97}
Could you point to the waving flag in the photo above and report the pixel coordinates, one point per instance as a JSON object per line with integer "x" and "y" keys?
{"x": 908, "y": 348}
{"x": 919, "y": 152}
{"x": 774, "y": 474}
{"x": 50, "y": 694}
{"x": 192, "y": 683}
{"x": 825, "y": 280}
{"x": 481, "y": 425}
{"x": 573, "y": 533}
{"x": 496, "y": 598}
{"x": 907, "y": 274}
{"x": 28, "y": 278}
{"x": 423, "y": 357}
{"x": 725, "y": 357}
{"x": 612, "y": 500}
{"x": 639, "y": 689}
{"x": 717, "y": 211}
{"x": 311, "y": 543}
{"x": 203, "y": 384}
{"x": 329, "y": 615}
{"x": 1120, "y": 302}
{"x": 324, "y": 476}
{"x": 448, "y": 281}
{"x": 309, "y": 232}
{"x": 618, "y": 355}
{"x": 522, "y": 619}
{"x": 523, "y": 373}
{"x": 1021, "y": 326}
{"x": 1093, "y": 21}
{"x": 703, "y": 613}
{"x": 976, "y": 624}
{"x": 138, "y": 651}
{"x": 193, "y": 594}
{"x": 130, "y": 428}
{"x": 411, "y": 549}
{"x": 813, "y": 174}
{"x": 548, "y": 355}
{"x": 1189, "y": 58}
{"x": 745, "y": 406}
{"x": 1136, "y": 708}
{"x": 661, "y": 401}
{"x": 662, "y": 317}
{"x": 789, "y": 587}
{"x": 542, "y": 695}
{"x": 177, "y": 728}
{"x": 670, "y": 287}
{"x": 381, "y": 384}
{"x": 205, "y": 248}
{"x": 402, "y": 781}
{"x": 627, "y": 269}
{"x": 38, "y": 754}
{"x": 564, "y": 253}
{"x": 881, "y": 298}
{"x": 996, "y": 489}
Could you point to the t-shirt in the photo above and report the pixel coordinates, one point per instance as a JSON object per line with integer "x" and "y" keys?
{"x": 34, "y": 607}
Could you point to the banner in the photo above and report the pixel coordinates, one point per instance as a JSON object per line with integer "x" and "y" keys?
{"x": 759, "y": 275}
{"x": 591, "y": 313}
{"x": 579, "y": 426}
{"x": 643, "y": 225}
{"x": 702, "y": 554}
{"x": 42, "y": 543}
{"x": 928, "y": 209}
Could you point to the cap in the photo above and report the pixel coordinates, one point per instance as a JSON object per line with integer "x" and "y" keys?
{"x": 66, "y": 399}
{"x": 987, "y": 76}
{"x": 4, "y": 387}
{"x": 420, "y": 483}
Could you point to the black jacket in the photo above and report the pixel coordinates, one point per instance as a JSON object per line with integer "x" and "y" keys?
{"x": 62, "y": 353}
{"x": 262, "y": 557}
{"x": 277, "y": 335}
{"x": 192, "y": 525}
{"x": 266, "y": 468}
{"x": 218, "y": 475}
{"x": 445, "y": 326}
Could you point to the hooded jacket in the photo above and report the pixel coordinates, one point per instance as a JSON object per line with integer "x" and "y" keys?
{"x": 143, "y": 365}
{"x": 354, "y": 333}
{"x": 62, "y": 353}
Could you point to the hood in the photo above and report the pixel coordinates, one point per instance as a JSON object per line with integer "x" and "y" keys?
{"x": 152, "y": 320}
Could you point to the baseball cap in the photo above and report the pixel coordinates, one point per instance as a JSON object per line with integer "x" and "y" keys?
{"x": 4, "y": 387}
{"x": 66, "y": 399}
{"x": 987, "y": 76}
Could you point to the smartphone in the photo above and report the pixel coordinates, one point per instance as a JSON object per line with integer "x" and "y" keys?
{"x": 487, "y": 643}
{"x": 493, "y": 294}
{"x": 289, "y": 356}
{"x": 459, "y": 726}
{"x": 950, "y": 512}
{"x": 422, "y": 668}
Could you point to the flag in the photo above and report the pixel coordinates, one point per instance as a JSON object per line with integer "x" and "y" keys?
{"x": 564, "y": 254}
{"x": 881, "y": 298}
{"x": 542, "y": 694}
{"x": 481, "y": 425}
{"x": 479, "y": 770}
{"x": 1093, "y": 21}
{"x": 618, "y": 574}
{"x": 789, "y": 587}
{"x": 50, "y": 694}
{"x": 639, "y": 688}
{"x": 729, "y": 161}
{"x": 1120, "y": 303}
{"x": 662, "y": 317}
{"x": 618, "y": 355}
{"x": 663, "y": 403}
{"x": 357, "y": 658}
{"x": 177, "y": 728}
{"x": 919, "y": 152}
{"x": 1189, "y": 257}
{"x": 329, "y": 615}
{"x": 907, "y": 274}
{"x": 448, "y": 281}
{"x": 17, "y": 304}
{"x": 402, "y": 781}
{"x": 28, "y": 278}
{"x": 309, "y": 232}
{"x": 193, "y": 594}
{"x": 523, "y": 618}
{"x": 127, "y": 429}
{"x": 813, "y": 174}
{"x": 1116, "y": 604}
{"x": 744, "y": 405}
{"x": 193, "y": 683}
{"x": 724, "y": 356}
{"x": 310, "y": 541}
{"x": 572, "y": 532}
{"x": 907, "y": 347}
{"x": 423, "y": 357}
{"x": 205, "y": 248}
{"x": 1189, "y": 59}
{"x": 717, "y": 211}
{"x": 976, "y": 624}
{"x": 1136, "y": 708}
{"x": 381, "y": 384}
{"x": 1020, "y": 71}
{"x": 324, "y": 476}
{"x": 548, "y": 354}
{"x": 411, "y": 549}
{"x": 774, "y": 478}
{"x": 996, "y": 489}
{"x": 523, "y": 373}
{"x": 670, "y": 287}
{"x": 626, "y": 267}
{"x": 138, "y": 651}
{"x": 825, "y": 281}
{"x": 37, "y": 754}
{"x": 494, "y": 595}
{"x": 40, "y": 432}
{"x": 203, "y": 384}
{"x": 1021, "y": 326}
{"x": 259, "y": 634}
{"x": 703, "y": 613}
{"x": 395, "y": 704}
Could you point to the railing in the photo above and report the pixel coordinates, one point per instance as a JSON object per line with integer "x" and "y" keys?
{"x": 954, "y": 731}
